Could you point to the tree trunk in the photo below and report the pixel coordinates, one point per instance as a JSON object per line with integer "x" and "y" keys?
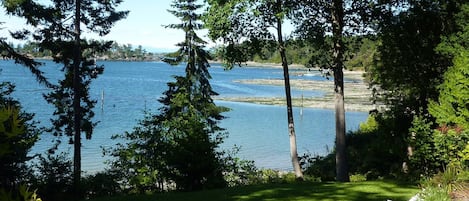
{"x": 340, "y": 144}
{"x": 291, "y": 124}
{"x": 76, "y": 103}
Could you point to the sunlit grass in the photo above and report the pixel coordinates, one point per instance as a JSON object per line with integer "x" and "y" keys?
{"x": 374, "y": 190}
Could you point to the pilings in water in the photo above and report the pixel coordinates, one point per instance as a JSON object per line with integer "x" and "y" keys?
{"x": 102, "y": 100}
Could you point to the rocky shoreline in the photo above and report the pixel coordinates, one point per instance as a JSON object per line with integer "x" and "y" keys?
{"x": 357, "y": 93}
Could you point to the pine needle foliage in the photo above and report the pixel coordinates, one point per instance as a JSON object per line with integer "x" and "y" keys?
{"x": 189, "y": 114}
{"x": 177, "y": 149}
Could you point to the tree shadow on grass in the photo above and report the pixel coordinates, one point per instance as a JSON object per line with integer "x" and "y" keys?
{"x": 303, "y": 191}
{"x": 323, "y": 191}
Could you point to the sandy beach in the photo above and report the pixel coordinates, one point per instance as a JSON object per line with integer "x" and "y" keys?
{"x": 357, "y": 94}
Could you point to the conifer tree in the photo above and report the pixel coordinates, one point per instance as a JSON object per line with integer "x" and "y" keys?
{"x": 58, "y": 28}
{"x": 189, "y": 115}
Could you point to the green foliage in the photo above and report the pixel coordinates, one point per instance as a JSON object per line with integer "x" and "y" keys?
{"x": 432, "y": 150}
{"x": 448, "y": 143}
{"x": 450, "y": 146}
{"x": 371, "y": 152}
{"x": 18, "y": 133}
{"x": 424, "y": 159}
{"x": 407, "y": 66}
{"x": 369, "y": 126}
{"x": 140, "y": 160}
{"x": 321, "y": 167}
{"x": 10, "y": 128}
{"x": 450, "y": 184}
{"x": 53, "y": 177}
{"x": 250, "y": 23}
{"x": 102, "y": 184}
{"x": 8, "y": 52}
{"x": 361, "y": 54}
{"x": 58, "y": 26}
{"x": 116, "y": 52}
{"x": 452, "y": 109}
{"x": 24, "y": 194}
{"x": 189, "y": 117}
{"x": 357, "y": 178}
{"x": 178, "y": 148}
{"x": 435, "y": 194}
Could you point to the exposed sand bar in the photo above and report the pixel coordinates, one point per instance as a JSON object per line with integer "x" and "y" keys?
{"x": 357, "y": 94}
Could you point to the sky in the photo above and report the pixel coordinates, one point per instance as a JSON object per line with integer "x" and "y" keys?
{"x": 143, "y": 26}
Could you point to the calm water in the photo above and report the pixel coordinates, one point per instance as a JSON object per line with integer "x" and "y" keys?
{"x": 129, "y": 88}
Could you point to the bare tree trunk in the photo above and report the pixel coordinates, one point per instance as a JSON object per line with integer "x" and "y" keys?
{"x": 291, "y": 124}
{"x": 76, "y": 103}
{"x": 340, "y": 144}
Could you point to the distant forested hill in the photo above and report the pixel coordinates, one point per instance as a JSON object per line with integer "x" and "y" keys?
{"x": 122, "y": 52}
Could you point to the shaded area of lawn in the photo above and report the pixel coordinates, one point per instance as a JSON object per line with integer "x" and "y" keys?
{"x": 374, "y": 190}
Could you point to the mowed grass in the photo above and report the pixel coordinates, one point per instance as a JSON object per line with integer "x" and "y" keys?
{"x": 370, "y": 190}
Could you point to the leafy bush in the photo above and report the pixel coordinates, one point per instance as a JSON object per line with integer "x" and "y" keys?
{"x": 53, "y": 177}
{"x": 374, "y": 150}
{"x": 102, "y": 184}
{"x": 322, "y": 167}
{"x": 357, "y": 177}
{"x": 424, "y": 158}
{"x": 239, "y": 172}
{"x": 451, "y": 146}
{"x": 23, "y": 194}
{"x": 433, "y": 149}
{"x": 18, "y": 133}
{"x": 369, "y": 126}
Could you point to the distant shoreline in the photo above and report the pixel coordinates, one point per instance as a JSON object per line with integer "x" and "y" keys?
{"x": 357, "y": 94}
{"x": 260, "y": 64}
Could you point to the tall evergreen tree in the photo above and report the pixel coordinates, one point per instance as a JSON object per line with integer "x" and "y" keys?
{"x": 189, "y": 115}
{"x": 58, "y": 28}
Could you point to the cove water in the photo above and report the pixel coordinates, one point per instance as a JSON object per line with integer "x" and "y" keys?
{"x": 127, "y": 89}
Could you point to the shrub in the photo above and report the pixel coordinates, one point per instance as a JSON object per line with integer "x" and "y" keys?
{"x": 18, "y": 133}
{"x": 433, "y": 149}
{"x": 239, "y": 172}
{"x": 53, "y": 176}
{"x": 23, "y": 194}
{"x": 357, "y": 177}
{"x": 452, "y": 146}
{"x": 424, "y": 158}
{"x": 102, "y": 184}
{"x": 321, "y": 167}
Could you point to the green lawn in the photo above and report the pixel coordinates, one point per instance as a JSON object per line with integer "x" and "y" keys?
{"x": 374, "y": 190}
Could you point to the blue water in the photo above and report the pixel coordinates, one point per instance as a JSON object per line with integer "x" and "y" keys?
{"x": 131, "y": 87}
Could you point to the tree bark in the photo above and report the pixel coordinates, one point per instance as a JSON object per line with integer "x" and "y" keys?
{"x": 291, "y": 124}
{"x": 337, "y": 11}
{"x": 76, "y": 102}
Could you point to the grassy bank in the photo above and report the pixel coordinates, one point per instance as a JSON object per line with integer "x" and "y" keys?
{"x": 370, "y": 190}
